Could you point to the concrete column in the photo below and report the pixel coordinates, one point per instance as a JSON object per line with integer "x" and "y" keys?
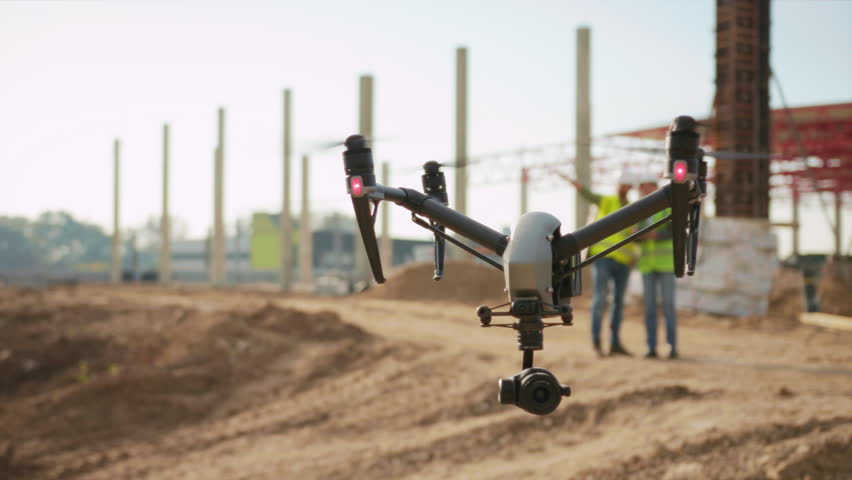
{"x": 306, "y": 236}
{"x": 525, "y": 179}
{"x": 461, "y": 131}
{"x": 208, "y": 251}
{"x": 365, "y": 128}
{"x": 165, "y": 220}
{"x": 211, "y": 233}
{"x": 337, "y": 245}
{"x": 134, "y": 258}
{"x": 460, "y": 190}
{"x": 365, "y": 107}
{"x": 238, "y": 251}
{"x": 795, "y": 229}
{"x": 838, "y": 223}
{"x": 386, "y": 246}
{"x": 582, "y": 164}
{"x": 219, "y": 214}
{"x": 285, "y": 223}
{"x": 115, "y": 274}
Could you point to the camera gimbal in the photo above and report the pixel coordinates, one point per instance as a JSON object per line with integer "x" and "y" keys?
{"x": 540, "y": 264}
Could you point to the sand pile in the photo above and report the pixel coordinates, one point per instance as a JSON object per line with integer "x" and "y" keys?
{"x": 218, "y": 384}
{"x": 89, "y": 374}
{"x": 835, "y": 287}
{"x": 786, "y": 300}
{"x": 464, "y": 282}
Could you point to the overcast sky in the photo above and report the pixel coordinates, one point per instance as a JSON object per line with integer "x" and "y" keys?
{"x": 74, "y": 75}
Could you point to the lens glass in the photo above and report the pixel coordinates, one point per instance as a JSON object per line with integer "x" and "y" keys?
{"x": 541, "y": 394}
{"x": 535, "y": 390}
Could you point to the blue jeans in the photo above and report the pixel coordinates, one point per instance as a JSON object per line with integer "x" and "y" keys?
{"x": 606, "y": 270}
{"x": 666, "y": 283}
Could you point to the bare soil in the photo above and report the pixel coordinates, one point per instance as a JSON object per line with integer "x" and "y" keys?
{"x": 148, "y": 382}
{"x": 835, "y": 287}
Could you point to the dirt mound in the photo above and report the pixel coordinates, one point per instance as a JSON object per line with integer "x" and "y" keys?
{"x": 323, "y": 326}
{"x": 98, "y": 383}
{"x": 786, "y": 451}
{"x": 510, "y": 432}
{"x": 786, "y": 300}
{"x": 83, "y": 374}
{"x": 834, "y": 288}
{"x": 829, "y": 460}
{"x": 464, "y": 282}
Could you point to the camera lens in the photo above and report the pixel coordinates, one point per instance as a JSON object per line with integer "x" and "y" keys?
{"x": 539, "y": 392}
{"x": 535, "y": 390}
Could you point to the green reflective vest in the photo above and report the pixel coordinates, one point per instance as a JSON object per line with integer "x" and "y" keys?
{"x": 625, "y": 254}
{"x": 657, "y": 254}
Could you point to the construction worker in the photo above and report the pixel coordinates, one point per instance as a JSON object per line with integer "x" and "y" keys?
{"x": 657, "y": 267}
{"x": 614, "y": 268}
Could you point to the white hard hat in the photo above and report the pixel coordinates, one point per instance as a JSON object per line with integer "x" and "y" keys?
{"x": 647, "y": 177}
{"x": 627, "y": 177}
{"x": 633, "y": 177}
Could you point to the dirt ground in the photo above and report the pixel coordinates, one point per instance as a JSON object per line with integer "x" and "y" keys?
{"x": 191, "y": 383}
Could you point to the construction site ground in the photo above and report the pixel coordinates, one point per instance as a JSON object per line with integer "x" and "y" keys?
{"x": 196, "y": 383}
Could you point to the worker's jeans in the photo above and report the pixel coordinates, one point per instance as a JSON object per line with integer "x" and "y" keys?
{"x": 666, "y": 283}
{"x": 606, "y": 270}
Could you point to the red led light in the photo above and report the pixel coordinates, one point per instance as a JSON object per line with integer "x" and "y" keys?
{"x": 680, "y": 171}
{"x": 357, "y": 186}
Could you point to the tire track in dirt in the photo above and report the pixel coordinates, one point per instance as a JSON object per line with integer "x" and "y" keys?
{"x": 309, "y": 408}
{"x": 732, "y": 454}
{"x": 832, "y": 460}
{"x": 498, "y": 436}
{"x": 358, "y": 400}
{"x": 194, "y": 365}
{"x": 415, "y": 397}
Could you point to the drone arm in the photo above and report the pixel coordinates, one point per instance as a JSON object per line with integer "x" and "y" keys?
{"x": 436, "y": 211}
{"x": 573, "y": 243}
{"x": 391, "y": 194}
{"x": 566, "y": 246}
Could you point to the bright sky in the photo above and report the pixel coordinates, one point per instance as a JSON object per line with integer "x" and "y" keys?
{"x": 74, "y": 75}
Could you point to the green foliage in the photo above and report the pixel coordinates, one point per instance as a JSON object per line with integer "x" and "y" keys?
{"x": 55, "y": 240}
{"x": 16, "y": 251}
{"x": 64, "y": 241}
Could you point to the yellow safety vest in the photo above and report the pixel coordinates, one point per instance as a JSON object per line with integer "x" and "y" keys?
{"x": 625, "y": 254}
{"x": 657, "y": 254}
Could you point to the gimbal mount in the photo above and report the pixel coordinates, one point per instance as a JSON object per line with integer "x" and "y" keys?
{"x": 540, "y": 264}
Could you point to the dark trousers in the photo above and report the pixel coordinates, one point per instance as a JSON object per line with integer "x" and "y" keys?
{"x": 606, "y": 271}
{"x": 664, "y": 283}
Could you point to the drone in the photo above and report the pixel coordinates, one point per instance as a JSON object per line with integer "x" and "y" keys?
{"x": 541, "y": 265}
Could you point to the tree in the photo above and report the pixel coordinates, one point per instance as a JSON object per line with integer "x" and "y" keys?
{"x": 54, "y": 241}
{"x": 63, "y": 242}
{"x": 16, "y": 251}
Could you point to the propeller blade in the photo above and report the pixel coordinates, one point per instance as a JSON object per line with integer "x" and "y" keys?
{"x": 720, "y": 154}
{"x": 321, "y": 145}
{"x": 726, "y": 155}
